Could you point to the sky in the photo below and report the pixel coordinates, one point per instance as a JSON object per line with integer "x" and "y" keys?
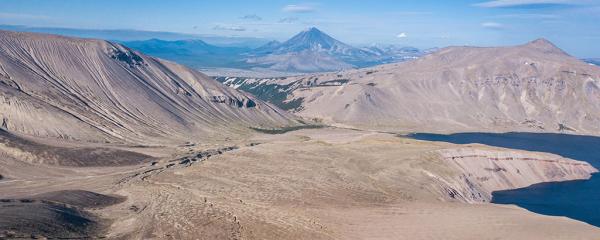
{"x": 573, "y": 25}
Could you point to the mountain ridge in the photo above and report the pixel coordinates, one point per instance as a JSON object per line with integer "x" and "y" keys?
{"x": 306, "y": 52}
{"x": 529, "y": 87}
{"x": 324, "y": 54}
{"x": 194, "y": 53}
{"x": 97, "y": 91}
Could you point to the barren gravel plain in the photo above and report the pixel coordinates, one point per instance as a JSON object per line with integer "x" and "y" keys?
{"x": 323, "y": 183}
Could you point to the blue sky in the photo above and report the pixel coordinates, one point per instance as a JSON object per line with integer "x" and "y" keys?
{"x": 573, "y": 25}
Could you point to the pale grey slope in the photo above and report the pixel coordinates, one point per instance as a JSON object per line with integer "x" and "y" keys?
{"x": 532, "y": 87}
{"x": 98, "y": 91}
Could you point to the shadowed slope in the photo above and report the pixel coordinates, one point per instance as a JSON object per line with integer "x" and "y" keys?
{"x": 58, "y": 214}
{"x": 38, "y": 153}
{"x": 80, "y": 198}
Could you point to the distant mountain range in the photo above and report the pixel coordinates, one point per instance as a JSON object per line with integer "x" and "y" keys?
{"x": 123, "y": 35}
{"x": 193, "y": 53}
{"x": 309, "y": 51}
{"x": 595, "y": 61}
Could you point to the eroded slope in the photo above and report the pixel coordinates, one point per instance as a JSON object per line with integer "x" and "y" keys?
{"x": 98, "y": 91}
{"x": 532, "y": 87}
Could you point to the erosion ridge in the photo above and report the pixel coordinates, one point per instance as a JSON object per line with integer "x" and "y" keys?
{"x": 98, "y": 91}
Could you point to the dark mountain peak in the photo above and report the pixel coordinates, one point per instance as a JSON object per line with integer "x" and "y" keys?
{"x": 313, "y": 30}
{"x": 161, "y": 43}
{"x": 151, "y": 40}
{"x": 267, "y": 48}
{"x": 593, "y": 61}
{"x": 544, "y": 45}
{"x": 316, "y": 35}
{"x": 541, "y": 41}
{"x": 273, "y": 43}
{"x": 312, "y": 34}
{"x": 193, "y": 41}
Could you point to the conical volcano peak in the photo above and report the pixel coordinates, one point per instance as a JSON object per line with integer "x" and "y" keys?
{"x": 312, "y": 50}
{"x": 541, "y": 43}
{"x": 313, "y": 34}
{"x": 312, "y": 39}
{"x": 545, "y": 46}
{"x": 313, "y": 30}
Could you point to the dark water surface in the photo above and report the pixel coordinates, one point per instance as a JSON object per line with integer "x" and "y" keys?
{"x": 574, "y": 199}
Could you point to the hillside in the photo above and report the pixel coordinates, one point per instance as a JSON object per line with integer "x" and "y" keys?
{"x": 531, "y": 87}
{"x": 98, "y": 91}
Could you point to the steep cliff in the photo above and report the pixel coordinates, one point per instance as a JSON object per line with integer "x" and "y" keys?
{"x": 481, "y": 170}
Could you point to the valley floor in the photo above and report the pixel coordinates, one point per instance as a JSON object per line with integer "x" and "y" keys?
{"x": 311, "y": 184}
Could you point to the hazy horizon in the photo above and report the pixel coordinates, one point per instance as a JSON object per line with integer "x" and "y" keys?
{"x": 571, "y": 25}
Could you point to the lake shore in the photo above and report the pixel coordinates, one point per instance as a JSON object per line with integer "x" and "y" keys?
{"x": 308, "y": 184}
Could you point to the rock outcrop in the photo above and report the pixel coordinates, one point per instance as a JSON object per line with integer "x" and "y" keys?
{"x": 482, "y": 171}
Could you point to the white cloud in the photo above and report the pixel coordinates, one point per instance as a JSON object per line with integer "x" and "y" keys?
{"x": 234, "y": 28}
{"x": 298, "y": 8}
{"x": 519, "y": 3}
{"x": 252, "y": 17}
{"x": 288, "y": 20}
{"x": 412, "y": 13}
{"x": 402, "y": 35}
{"x": 492, "y": 25}
{"x": 529, "y": 16}
{"x": 5, "y": 15}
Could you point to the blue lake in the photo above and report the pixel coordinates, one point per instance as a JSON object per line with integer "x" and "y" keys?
{"x": 574, "y": 199}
